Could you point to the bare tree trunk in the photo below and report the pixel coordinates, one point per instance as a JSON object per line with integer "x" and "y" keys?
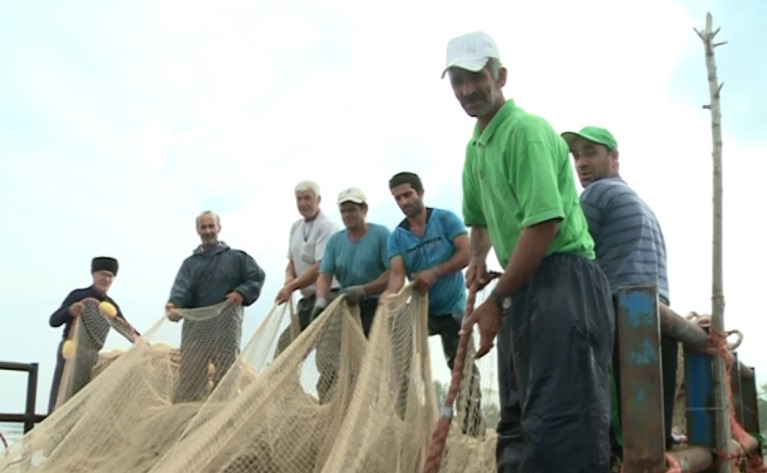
{"x": 721, "y": 379}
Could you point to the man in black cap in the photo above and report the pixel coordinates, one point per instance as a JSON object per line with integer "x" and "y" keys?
{"x": 103, "y": 269}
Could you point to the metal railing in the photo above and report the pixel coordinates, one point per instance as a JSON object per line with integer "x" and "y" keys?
{"x": 28, "y": 418}
{"x": 641, "y": 321}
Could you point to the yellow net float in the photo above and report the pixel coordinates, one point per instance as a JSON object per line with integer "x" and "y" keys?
{"x": 68, "y": 349}
{"x": 108, "y": 309}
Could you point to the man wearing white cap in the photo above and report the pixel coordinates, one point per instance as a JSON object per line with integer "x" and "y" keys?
{"x": 357, "y": 258}
{"x": 555, "y": 345}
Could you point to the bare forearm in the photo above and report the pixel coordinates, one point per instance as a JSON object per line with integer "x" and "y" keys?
{"x": 459, "y": 261}
{"x": 479, "y": 244}
{"x": 290, "y": 271}
{"x": 378, "y": 285}
{"x": 323, "y": 286}
{"x": 527, "y": 256}
{"x": 308, "y": 278}
{"x": 395, "y": 282}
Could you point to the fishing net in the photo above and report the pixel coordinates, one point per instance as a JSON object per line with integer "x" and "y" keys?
{"x": 86, "y": 339}
{"x": 179, "y": 400}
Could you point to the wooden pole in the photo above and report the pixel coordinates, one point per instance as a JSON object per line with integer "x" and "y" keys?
{"x": 721, "y": 397}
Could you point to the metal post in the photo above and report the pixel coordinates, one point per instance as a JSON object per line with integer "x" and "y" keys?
{"x": 676, "y": 326}
{"x": 737, "y": 397}
{"x": 641, "y": 387}
{"x": 29, "y": 414}
{"x": 692, "y": 335}
{"x": 750, "y": 401}
{"x": 699, "y": 398}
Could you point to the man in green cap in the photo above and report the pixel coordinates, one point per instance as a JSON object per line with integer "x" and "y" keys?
{"x": 551, "y": 309}
{"x": 629, "y": 246}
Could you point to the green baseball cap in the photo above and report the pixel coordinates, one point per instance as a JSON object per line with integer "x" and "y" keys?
{"x": 594, "y": 134}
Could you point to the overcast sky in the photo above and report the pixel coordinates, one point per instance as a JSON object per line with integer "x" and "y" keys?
{"x": 121, "y": 121}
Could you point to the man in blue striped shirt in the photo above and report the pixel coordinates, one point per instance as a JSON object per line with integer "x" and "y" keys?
{"x": 629, "y": 245}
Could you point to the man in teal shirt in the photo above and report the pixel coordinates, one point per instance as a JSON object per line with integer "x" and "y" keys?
{"x": 555, "y": 347}
{"x": 356, "y": 257}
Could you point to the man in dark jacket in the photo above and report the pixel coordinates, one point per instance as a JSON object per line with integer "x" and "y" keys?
{"x": 103, "y": 270}
{"x": 214, "y": 273}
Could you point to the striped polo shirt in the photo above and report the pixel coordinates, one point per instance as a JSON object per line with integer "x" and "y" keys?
{"x": 629, "y": 242}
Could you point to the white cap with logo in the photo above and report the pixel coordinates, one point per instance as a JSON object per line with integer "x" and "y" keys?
{"x": 470, "y": 51}
{"x": 353, "y": 194}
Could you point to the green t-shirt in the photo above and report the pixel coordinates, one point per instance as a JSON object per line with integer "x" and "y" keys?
{"x": 517, "y": 173}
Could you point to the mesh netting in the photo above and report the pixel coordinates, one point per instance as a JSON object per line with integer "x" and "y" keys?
{"x": 184, "y": 399}
{"x": 86, "y": 339}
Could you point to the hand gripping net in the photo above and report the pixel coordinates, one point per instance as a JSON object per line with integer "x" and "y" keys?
{"x": 332, "y": 401}
{"x": 81, "y": 350}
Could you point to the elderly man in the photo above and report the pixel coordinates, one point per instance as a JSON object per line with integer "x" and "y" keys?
{"x": 519, "y": 197}
{"x": 308, "y": 237}
{"x": 431, "y": 247}
{"x": 630, "y": 247}
{"x": 103, "y": 271}
{"x": 214, "y": 273}
{"x": 356, "y": 257}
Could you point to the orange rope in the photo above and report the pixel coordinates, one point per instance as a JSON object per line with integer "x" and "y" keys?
{"x": 441, "y": 430}
{"x": 716, "y": 345}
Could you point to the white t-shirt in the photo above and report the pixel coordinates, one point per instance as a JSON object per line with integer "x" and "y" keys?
{"x": 307, "y": 244}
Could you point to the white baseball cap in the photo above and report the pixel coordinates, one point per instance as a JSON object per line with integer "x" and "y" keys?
{"x": 352, "y": 194}
{"x": 470, "y": 51}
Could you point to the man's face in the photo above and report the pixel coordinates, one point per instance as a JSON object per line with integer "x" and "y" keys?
{"x": 408, "y": 200}
{"x": 102, "y": 280}
{"x": 307, "y": 203}
{"x": 208, "y": 229}
{"x": 353, "y": 215}
{"x": 592, "y": 161}
{"x": 477, "y": 92}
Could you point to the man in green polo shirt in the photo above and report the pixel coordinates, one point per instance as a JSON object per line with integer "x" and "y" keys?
{"x": 554, "y": 354}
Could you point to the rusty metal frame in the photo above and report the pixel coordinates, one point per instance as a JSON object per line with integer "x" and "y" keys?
{"x": 638, "y": 323}
{"x": 699, "y": 399}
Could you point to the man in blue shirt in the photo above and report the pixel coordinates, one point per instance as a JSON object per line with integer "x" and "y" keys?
{"x": 629, "y": 245}
{"x": 431, "y": 247}
{"x": 356, "y": 258}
